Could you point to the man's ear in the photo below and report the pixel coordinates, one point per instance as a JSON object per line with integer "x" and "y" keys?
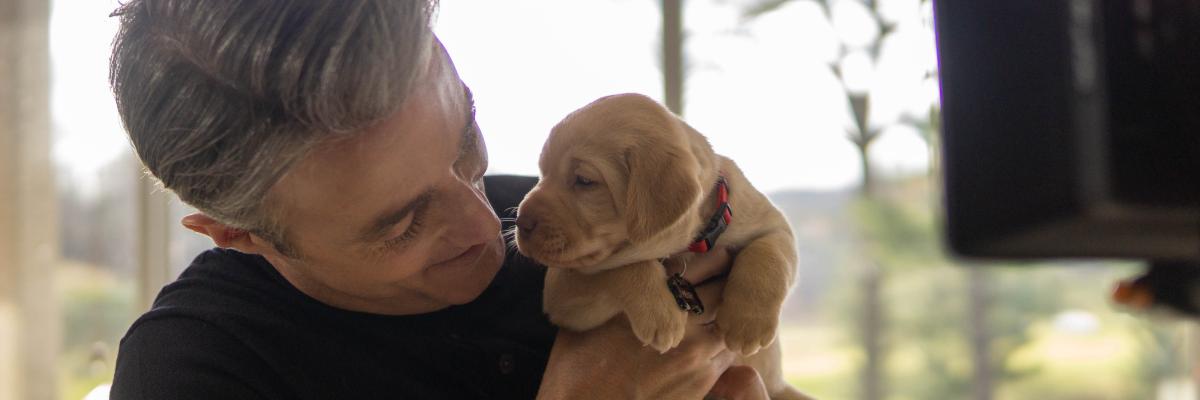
{"x": 225, "y": 236}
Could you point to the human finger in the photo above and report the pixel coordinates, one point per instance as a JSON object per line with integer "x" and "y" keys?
{"x": 710, "y": 294}
{"x": 713, "y": 263}
{"x": 705, "y": 266}
{"x": 739, "y": 383}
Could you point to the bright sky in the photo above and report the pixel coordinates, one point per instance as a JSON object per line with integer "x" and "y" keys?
{"x": 761, "y": 91}
{"x": 87, "y": 129}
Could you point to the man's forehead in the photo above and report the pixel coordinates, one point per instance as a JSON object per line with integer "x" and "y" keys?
{"x": 354, "y": 177}
{"x": 339, "y": 165}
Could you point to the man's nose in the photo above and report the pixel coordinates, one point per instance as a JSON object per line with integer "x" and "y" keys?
{"x": 476, "y": 220}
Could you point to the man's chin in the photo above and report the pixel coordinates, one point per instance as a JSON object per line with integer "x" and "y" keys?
{"x": 462, "y": 283}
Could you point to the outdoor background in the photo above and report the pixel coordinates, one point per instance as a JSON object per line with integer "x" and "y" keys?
{"x": 830, "y": 107}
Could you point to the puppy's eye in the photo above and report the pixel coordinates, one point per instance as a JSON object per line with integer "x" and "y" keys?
{"x": 583, "y": 182}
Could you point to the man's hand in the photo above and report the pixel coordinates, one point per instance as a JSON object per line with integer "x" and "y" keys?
{"x": 609, "y": 362}
{"x": 739, "y": 383}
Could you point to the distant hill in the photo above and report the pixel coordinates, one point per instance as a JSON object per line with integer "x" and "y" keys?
{"x": 821, "y": 222}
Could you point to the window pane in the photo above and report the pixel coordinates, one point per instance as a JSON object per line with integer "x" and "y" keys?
{"x": 97, "y": 197}
{"x": 531, "y": 62}
{"x": 764, "y": 88}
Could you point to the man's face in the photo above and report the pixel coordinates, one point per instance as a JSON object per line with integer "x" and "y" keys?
{"x": 395, "y": 220}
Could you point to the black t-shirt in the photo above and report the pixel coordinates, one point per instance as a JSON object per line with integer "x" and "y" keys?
{"x": 232, "y": 327}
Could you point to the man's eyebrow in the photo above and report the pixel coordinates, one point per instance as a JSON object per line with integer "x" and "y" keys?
{"x": 384, "y": 222}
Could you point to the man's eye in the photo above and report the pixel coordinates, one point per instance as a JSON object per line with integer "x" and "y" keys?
{"x": 583, "y": 182}
{"x": 414, "y": 228}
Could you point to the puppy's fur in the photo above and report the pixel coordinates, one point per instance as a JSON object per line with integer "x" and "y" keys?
{"x": 625, "y": 184}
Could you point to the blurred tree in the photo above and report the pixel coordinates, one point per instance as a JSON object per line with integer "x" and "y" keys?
{"x": 964, "y": 349}
{"x": 898, "y": 242}
{"x": 871, "y": 274}
{"x": 938, "y": 323}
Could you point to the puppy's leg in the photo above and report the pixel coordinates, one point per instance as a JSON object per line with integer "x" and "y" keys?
{"x": 577, "y": 301}
{"x": 641, "y": 289}
{"x": 758, "y": 283}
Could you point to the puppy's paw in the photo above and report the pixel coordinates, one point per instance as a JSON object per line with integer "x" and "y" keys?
{"x": 658, "y": 322}
{"x": 746, "y": 333}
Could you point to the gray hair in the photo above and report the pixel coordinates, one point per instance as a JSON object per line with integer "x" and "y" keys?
{"x": 221, "y": 98}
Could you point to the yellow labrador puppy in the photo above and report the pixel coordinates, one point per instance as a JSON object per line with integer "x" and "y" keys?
{"x": 629, "y": 191}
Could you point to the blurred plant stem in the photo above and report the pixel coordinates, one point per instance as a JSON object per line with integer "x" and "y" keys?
{"x": 980, "y": 301}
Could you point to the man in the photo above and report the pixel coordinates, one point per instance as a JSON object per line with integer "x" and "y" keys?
{"x": 332, "y": 151}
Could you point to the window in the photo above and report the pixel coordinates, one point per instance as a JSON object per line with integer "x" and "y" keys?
{"x": 829, "y": 106}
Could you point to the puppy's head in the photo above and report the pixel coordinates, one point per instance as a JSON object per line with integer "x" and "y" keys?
{"x": 614, "y": 174}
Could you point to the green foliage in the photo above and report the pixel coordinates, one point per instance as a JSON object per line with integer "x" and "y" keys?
{"x": 96, "y": 314}
{"x": 930, "y": 302}
{"x": 896, "y": 234}
{"x": 931, "y": 356}
{"x": 928, "y": 297}
{"x": 1158, "y": 358}
{"x": 97, "y": 309}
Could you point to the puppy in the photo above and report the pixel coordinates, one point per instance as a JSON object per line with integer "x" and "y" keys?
{"x": 626, "y": 189}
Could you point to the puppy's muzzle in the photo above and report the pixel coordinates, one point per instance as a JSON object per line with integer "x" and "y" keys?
{"x": 526, "y": 223}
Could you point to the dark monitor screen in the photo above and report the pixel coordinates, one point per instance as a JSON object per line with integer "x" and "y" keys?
{"x": 1071, "y": 128}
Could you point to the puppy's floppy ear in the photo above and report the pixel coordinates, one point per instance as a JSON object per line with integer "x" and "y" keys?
{"x": 663, "y": 185}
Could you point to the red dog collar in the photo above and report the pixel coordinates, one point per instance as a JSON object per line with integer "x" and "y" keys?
{"x": 717, "y": 223}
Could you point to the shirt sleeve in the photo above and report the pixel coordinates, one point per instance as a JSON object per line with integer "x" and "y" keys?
{"x": 179, "y": 358}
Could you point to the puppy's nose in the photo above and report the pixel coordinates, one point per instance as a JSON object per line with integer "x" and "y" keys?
{"x": 526, "y": 223}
